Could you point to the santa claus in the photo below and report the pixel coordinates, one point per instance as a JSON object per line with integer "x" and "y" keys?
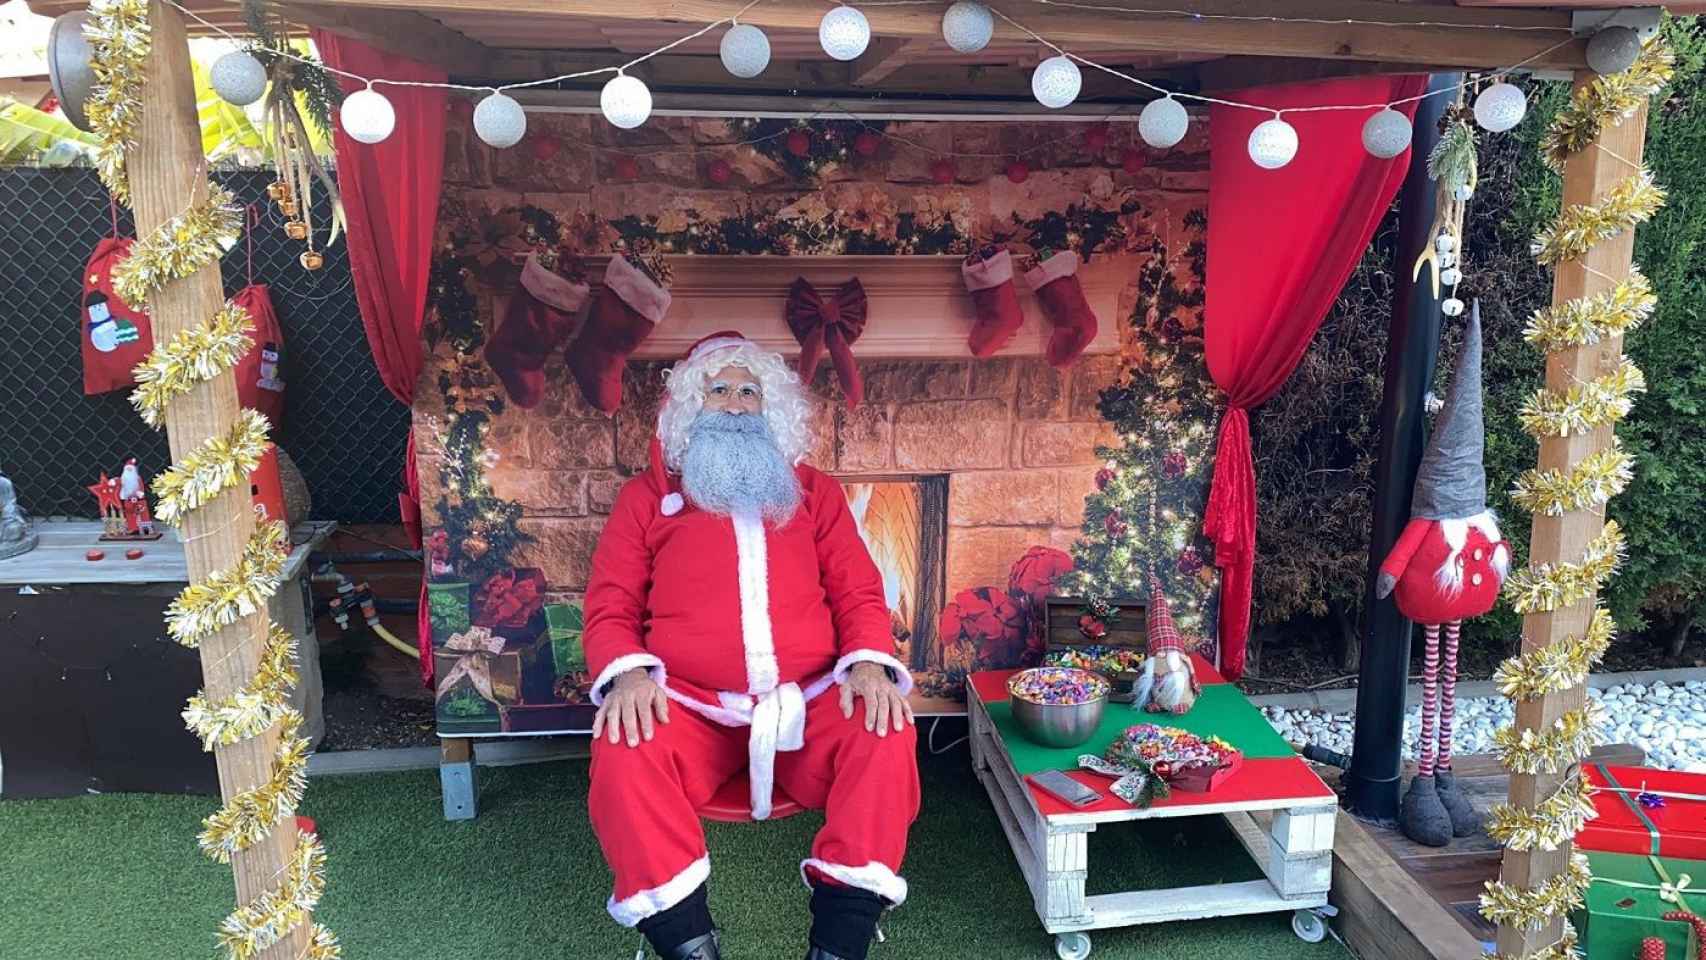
{"x": 735, "y": 622}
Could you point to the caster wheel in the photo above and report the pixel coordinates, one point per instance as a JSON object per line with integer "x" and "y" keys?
{"x": 1072, "y": 946}
{"x": 1308, "y": 926}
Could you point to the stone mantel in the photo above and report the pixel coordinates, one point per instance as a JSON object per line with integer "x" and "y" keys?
{"x": 918, "y": 305}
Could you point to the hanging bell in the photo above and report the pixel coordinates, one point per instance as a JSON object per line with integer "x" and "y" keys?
{"x": 312, "y": 260}
{"x": 296, "y": 230}
{"x": 288, "y": 208}
{"x": 277, "y": 190}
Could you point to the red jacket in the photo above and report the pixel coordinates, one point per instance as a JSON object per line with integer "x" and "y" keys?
{"x": 717, "y": 606}
{"x": 1415, "y": 562}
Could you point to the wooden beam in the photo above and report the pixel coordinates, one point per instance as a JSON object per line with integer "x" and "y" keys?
{"x": 1242, "y": 73}
{"x": 167, "y": 174}
{"x": 884, "y": 56}
{"x": 1587, "y": 177}
{"x": 402, "y": 32}
{"x": 1380, "y": 30}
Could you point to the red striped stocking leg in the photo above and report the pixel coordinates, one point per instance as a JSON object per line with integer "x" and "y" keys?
{"x": 1447, "y": 693}
{"x": 1430, "y": 700}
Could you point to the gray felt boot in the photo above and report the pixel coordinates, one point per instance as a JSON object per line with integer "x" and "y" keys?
{"x": 1423, "y": 818}
{"x": 1465, "y": 822}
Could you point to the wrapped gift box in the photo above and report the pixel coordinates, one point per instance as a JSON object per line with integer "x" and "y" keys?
{"x": 1674, "y": 828}
{"x": 1624, "y": 906}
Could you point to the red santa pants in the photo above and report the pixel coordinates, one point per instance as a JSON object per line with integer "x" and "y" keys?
{"x": 644, "y": 802}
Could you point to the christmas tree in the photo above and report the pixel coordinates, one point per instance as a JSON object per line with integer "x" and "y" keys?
{"x": 1151, "y": 489}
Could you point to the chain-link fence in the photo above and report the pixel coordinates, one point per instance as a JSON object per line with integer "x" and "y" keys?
{"x": 342, "y": 428}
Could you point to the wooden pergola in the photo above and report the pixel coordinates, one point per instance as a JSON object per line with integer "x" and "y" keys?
{"x": 1195, "y": 45}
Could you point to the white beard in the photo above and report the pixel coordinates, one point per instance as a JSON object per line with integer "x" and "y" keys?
{"x": 732, "y": 463}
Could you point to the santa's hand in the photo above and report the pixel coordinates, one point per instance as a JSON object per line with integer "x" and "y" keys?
{"x": 884, "y": 704}
{"x": 1383, "y": 586}
{"x": 629, "y": 706}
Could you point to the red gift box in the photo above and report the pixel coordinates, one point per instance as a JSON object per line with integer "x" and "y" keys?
{"x": 1674, "y": 828}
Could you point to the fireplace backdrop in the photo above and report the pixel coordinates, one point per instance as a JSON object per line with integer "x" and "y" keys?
{"x": 958, "y": 469}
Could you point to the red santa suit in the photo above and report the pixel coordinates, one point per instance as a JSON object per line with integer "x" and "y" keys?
{"x": 1439, "y": 584}
{"x": 745, "y": 625}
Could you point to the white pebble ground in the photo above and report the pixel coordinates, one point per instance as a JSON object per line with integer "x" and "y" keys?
{"x": 1667, "y": 720}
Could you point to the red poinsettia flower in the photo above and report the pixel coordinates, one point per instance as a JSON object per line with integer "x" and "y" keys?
{"x": 1034, "y": 574}
{"x": 1173, "y": 464}
{"x": 1104, "y": 477}
{"x": 987, "y": 621}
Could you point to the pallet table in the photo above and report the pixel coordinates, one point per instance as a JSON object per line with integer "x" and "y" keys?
{"x": 1050, "y": 839}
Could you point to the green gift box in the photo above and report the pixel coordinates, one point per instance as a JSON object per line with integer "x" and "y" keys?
{"x": 565, "y": 623}
{"x": 1624, "y": 905}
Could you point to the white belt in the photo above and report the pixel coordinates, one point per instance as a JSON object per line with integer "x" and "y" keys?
{"x": 778, "y": 722}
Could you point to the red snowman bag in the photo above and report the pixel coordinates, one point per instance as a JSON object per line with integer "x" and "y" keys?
{"x": 115, "y": 336}
{"x": 260, "y": 385}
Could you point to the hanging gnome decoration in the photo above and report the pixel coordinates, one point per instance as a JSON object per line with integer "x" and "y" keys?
{"x": 1169, "y": 682}
{"x": 1446, "y": 567}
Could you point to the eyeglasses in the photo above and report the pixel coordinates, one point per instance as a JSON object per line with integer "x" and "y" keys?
{"x": 728, "y": 391}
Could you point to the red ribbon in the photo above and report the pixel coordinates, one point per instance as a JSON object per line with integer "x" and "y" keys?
{"x": 832, "y": 324}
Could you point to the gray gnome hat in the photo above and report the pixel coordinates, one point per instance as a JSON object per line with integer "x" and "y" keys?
{"x": 1451, "y": 483}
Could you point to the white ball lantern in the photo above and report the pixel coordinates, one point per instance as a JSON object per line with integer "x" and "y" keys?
{"x": 1613, "y": 50}
{"x": 1273, "y": 144}
{"x": 1452, "y": 307}
{"x": 1163, "y": 123}
{"x": 1451, "y": 276}
{"x": 238, "y": 78}
{"x": 968, "y": 26}
{"x": 745, "y": 51}
{"x": 1445, "y": 243}
{"x": 1500, "y": 107}
{"x": 1056, "y": 82}
{"x": 1386, "y": 134}
{"x": 626, "y": 101}
{"x": 367, "y": 116}
{"x": 844, "y": 33}
{"x": 499, "y": 120}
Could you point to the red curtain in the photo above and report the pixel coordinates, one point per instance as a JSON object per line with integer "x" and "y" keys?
{"x": 1281, "y": 244}
{"x": 390, "y": 193}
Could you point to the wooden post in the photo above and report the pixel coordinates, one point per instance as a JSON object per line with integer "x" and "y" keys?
{"x": 1587, "y": 177}
{"x": 167, "y": 173}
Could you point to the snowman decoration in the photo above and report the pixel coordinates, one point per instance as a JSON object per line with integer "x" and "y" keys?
{"x": 1446, "y": 567}
{"x": 106, "y": 332}
{"x": 269, "y": 368}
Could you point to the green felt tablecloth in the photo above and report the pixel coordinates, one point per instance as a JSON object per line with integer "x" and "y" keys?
{"x": 1220, "y": 711}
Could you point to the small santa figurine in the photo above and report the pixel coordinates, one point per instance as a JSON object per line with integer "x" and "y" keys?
{"x": 133, "y": 493}
{"x": 1446, "y": 567}
{"x": 1169, "y": 681}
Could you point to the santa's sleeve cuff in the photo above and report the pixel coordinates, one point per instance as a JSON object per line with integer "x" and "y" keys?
{"x": 623, "y": 664}
{"x": 901, "y": 676}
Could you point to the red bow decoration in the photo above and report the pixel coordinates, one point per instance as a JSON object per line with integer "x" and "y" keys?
{"x": 832, "y": 324}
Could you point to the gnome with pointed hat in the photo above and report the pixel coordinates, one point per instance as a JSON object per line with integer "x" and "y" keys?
{"x": 1168, "y": 683}
{"x": 1446, "y": 567}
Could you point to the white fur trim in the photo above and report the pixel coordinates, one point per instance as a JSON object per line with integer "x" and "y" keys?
{"x": 636, "y": 289}
{"x": 552, "y": 289}
{"x": 991, "y": 272}
{"x": 1449, "y": 576}
{"x": 902, "y": 676}
{"x": 629, "y": 911}
{"x": 623, "y": 664}
{"x": 752, "y": 567}
{"x": 873, "y": 876}
{"x": 716, "y": 343}
{"x": 671, "y": 504}
{"x": 1061, "y": 265}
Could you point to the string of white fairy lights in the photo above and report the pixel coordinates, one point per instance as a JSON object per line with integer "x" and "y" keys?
{"x": 968, "y": 26}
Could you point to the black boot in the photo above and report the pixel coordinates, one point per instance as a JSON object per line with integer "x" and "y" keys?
{"x": 1465, "y": 821}
{"x": 844, "y": 919}
{"x": 684, "y": 931}
{"x": 1422, "y": 816}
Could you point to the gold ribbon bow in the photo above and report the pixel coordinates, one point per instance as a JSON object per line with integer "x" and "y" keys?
{"x": 478, "y": 646}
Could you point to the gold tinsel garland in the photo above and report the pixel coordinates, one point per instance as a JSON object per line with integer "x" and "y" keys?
{"x": 227, "y": 596}
{"x": 1581, "y": 226}
{"x": 248, "y": 817}
{"x": 265, "y": 920}
{"x": 1611, "y": 98}
{"x": 1559, "y": 665}
{"x": 219, "y": 464}
{"x": 119, "y": 41}
{"x": 1548, "y": 826}
{"x": 1595, "y": 479}
{"x": 1554, "y": 586}
{"x": 1564, "y": 949}
{"x": 252, "y": 710}
{"x": 1570, "y": 738}
{"x": 1599, "y": 402}
{"x": 1532, "y": 909}
{"x": 193, "y": 356}
{"x": 1584, "y": 321}
{"x": 179, "y": 247}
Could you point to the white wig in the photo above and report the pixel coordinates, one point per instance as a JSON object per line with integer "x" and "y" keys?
{"x": 787, "y": 407}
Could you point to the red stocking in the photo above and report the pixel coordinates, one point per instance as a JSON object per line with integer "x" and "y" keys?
{"x": 989, "y": 280}
{"x": 1055, "y": 281}
{"x": 540, "y": 316}
{"x": 626, "y": 310}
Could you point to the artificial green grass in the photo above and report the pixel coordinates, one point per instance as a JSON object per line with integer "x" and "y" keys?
{"x": 118, "y": 877}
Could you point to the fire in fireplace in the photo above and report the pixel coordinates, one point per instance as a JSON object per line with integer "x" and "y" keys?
{"x": 904, "y": 522}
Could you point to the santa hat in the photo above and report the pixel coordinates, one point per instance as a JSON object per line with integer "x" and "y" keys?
{"x": 1451, "y": 483}
{"x": 721, "y": 340}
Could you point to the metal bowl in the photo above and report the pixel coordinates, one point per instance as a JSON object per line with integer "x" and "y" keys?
{"x": 1059, "y": 724}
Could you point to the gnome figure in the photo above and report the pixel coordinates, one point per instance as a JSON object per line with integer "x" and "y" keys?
{"x": 1446, "y": 567}
{"x": 1168, "y": 683}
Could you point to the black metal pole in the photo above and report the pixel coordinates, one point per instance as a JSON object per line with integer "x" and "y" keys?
{"x": 1412, "y": 345}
